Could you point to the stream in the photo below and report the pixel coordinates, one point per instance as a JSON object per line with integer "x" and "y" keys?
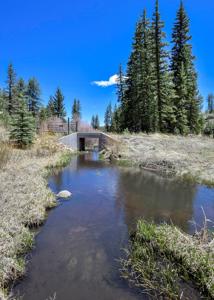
{"x": 77, "y": 250}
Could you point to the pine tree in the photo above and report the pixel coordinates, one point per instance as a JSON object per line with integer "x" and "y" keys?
{"x": 121, "y": 88}
{"x": 33, "y": 96}
{"x": 22, "y": 126}
{"x": 121, "y": 85}
{"x": 116, "y": 122}
{"x": 163, "y": 84}
{"x": 182, "y": 64}
{"x": 131, "y": 107}
{"x": 20, "y": 91}
{"x": 58, "y": 101}
{"x": 93, "y": 122}
{"x": 4, "y": 115}
{"x": 108, "y": 118}
{"x": 147, "y": 81}
{"x": 96, "y": 122}
{"x": 76, "y": 110}
{"x": 210, "y": 103}
{"x": 180, "y": 103}
{"x": 50, "y": 107}
{"x": 10, "y": 90}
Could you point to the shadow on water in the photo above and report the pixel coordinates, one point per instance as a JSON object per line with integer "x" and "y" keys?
{"x": 77, "y": 249}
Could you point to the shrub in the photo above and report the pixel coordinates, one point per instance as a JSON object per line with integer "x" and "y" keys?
{"x": 209, "y": 129}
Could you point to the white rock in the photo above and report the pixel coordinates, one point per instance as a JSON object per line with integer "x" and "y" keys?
{"x": 64, "y": 194}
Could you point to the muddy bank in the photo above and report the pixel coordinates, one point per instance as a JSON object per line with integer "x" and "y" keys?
{"x": 190, "y": 158}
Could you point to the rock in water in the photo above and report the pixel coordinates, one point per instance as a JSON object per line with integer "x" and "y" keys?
{"x": 64, "y": 194}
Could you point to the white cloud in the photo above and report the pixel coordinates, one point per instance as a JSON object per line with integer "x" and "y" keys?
{"x": 112, "y": 81}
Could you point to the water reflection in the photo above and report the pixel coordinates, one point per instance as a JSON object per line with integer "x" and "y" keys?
{"x": 77, "y": 249}
{"x": 155, "y": 198}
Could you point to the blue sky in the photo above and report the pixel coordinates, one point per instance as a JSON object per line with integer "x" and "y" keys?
{"x": 71, "y": 43}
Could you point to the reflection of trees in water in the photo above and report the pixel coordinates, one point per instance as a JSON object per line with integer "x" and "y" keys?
{"x": 142, "y": 194}
{"x": 90, "y": 160}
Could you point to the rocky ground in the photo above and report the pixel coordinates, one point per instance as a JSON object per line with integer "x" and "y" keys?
{"x": 189, "y": 157}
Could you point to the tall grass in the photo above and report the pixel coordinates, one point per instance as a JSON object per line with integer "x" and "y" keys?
{"x": 161, "y": 258}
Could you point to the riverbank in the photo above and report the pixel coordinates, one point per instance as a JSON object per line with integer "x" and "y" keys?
{"x": 24, "y": 200}
{"x": 190, "y": 158}
{"x": 167, "y": 263}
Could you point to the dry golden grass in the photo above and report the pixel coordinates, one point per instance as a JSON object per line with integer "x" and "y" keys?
{"x": 24, "y": 199}
{"x": 5, "y": 152}
{"x": 190, "y": 157}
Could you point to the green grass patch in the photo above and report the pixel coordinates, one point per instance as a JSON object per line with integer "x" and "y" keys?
{"x": 195, "y": 179}
{"x": 161, "y": 259}
{"x": 64, "y": 160}
{"x": 124, "y": 163}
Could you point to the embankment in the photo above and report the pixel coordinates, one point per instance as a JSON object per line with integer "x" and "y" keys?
{"x": 24, "y": 200}
{"x": 190, "y": 158}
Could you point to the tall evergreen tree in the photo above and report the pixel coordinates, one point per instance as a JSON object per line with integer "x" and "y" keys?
{"x": 116, "y": 121}
{"x": 33, "y": 96}
{"x": 4, "y": 115}
{"x": 121, "y": 86}
{"x": 58, "y": 101}
{"x": 10, "y": 90}
{"x": 131, "y": 109}
{"x": 76, "y": 110}
{"x": 20, "y": 86}
{"x": 180, "y": 102}
{"x": 22, "y": 125}
{"x": 210, "y": 103}
{"x": 182, "y": 64}
{"x": 96, "y": 122}
{"x": 93, "y": 122}
{"x": 20, "y": 91}
{"x": 163, "y": 84}
{"x": 108, "y": 118}
{"x": 147, "y": 80}
{"x": 51, "y": 107}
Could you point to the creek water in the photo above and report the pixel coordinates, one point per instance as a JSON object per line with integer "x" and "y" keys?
{"x": 77, "y": 250}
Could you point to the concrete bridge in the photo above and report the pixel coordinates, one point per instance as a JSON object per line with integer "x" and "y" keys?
{"x": 77, "y": 140}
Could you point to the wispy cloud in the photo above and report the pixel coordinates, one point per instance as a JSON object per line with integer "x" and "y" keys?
{"x": 105, "y": 83}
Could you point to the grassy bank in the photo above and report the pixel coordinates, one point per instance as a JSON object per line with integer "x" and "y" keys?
{"x": 162, "y": 261}
{"x": 189, "y": 158}
{"x": 24, "y": 200}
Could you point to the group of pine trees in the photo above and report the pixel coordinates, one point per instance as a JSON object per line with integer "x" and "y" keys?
{"x": 21, "y": 107}
{"x": 112, "y": 119}
{"x": 159, "y": 91}
{"x": 95, "y": 122}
